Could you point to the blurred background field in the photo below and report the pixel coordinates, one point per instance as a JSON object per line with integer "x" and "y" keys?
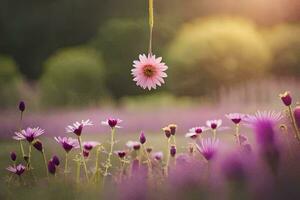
{"x": 71, "y": 60}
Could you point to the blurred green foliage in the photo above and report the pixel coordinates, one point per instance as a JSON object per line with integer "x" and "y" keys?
{"x": 213, "y": 52}
{"x": 10, "y": 82}
{"x": 73, "y": 76}
{"x": 284, "y": 42}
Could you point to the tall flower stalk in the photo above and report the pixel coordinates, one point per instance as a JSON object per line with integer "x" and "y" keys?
{"x": 151, "y": 24}
{"x": 82, "y": 158}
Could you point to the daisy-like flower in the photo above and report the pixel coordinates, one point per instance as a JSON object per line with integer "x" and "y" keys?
{"x": 121, "y": 154}
{"x": 158, "y": 155}
{"x": 78, "y": 126}
{"x": 235, "y": 117}
{"x": 148, "y": 71}
{"x": 112, "y": 122}
{"x": 214, "y": 124}
{"x": 29, "y": 134}
{"x": 208, "y": 148}
{"x": 133, "y": 144}
{"x": 196, "y": 131}
{"x": 88, "y": 146}
{"x": 67, "y": 143}
{"x": 18, "y": 170}
{"x": 271, "y": 116}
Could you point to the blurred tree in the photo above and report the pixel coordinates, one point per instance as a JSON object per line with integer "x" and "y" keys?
{"x": 10, "y": 81}
{"x": 284, "y": 42}
{"x": 212, "y": 52}
{"x": 73, "y": 76}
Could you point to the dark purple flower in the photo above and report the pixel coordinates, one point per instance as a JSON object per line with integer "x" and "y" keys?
{"x": 51, "y": 167}
{"x": 121, "y": 154}
{"x": 286, "y": 98}
{"x": 38, "y": 145}
{"x": 112, "y": 122}
{"x": 55, "y": 160}
{"x": 13, "y": 156}
{"x": 297, "y": 116}
{"x": 29, "y": 134}
{"x": 19, "y": 169}
{"x": 86, "y": 153}
{"x": 22, "y": 106}
{"x": 167, "y": 131}
{"x": 264, "y": 132}
{"x": 88, "y": 146}
{"x": 134, "y": 144}
{"x": 208, "y": 148}
{"x": 142, "y": 138}
{"x": 235, "y": 117}
{"x": 78, "y": 126}
{"x": 158, "y": 155}
{"x": 67, "y": 143}
{"x": 173, "y": 151}
{"x": 173, "y": 128}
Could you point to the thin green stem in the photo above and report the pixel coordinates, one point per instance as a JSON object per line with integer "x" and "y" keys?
{"x": 83, "y": 160}
{"x": 214, "y": 133}
{"x": 66, "y": 164}
{"x": 168, "y": 157}
{"x": 78, "y": 165}
{"x": 151, "y": 23}
{"x": 237, "y": 134}
{"x": 297, "y": 133}
{"x": 45, "y": 162}
{"x": 29, "y": 157}
{"x": 97, "y": 164}
{"x": 108, "y": 162}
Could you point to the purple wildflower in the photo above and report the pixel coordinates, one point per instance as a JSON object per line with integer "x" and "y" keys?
{"x": 208, "y": 148}
{"x": 18, "y": 170}
{"x": 173, "y": 151}
{"x": 29, "y": 134}
{"x": 121, "y": 154}
{"x": 78, "y": 126}
{"x": 112, "y": 122}
{"x": 38, "y": 145}
{"x": 172, "y": 128}
{"x": 196, "y": 131}
{"x": 286, "y": 98}
{"x": 142, "y": 138}
{"x": 13, "y": 156}
{"x": 55, "y": 160}
{"x": 167, "y": 131}
{"x": 158, "y": 155}
{"x": 22, "y": 106}
{"x": 51, "y": 167}
{"x": 297, "y": 116}
{"x": 88, "y": 146}
{"x": 235, "y": 117}
{"x": 133, "y": 144}
{"x": 233, "y": 169}
{"x": 67, "y": 143}
{"x": 271, "y": 116}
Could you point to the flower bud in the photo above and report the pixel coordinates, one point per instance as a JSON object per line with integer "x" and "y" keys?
{"x": 167, "y": 131}
{"x": 51, "y": 167}
{"x": 173, "y": 128}
{"x": 22, "y": 106}
{"x": 142, "y": 138}
{"x": 13, "y": 156}
{"x": 173, "y": 151}
{"x": 149, "y": 149}
{"x": 86, "y": 153}
{"x": 112, "y": 122}
{"x": 286, "y": 98}
{"x": 38, "y": 145}
{"x": 55, "y": 160}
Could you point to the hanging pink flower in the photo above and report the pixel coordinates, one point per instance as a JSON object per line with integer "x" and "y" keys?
{"x": 148, "y": 71}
